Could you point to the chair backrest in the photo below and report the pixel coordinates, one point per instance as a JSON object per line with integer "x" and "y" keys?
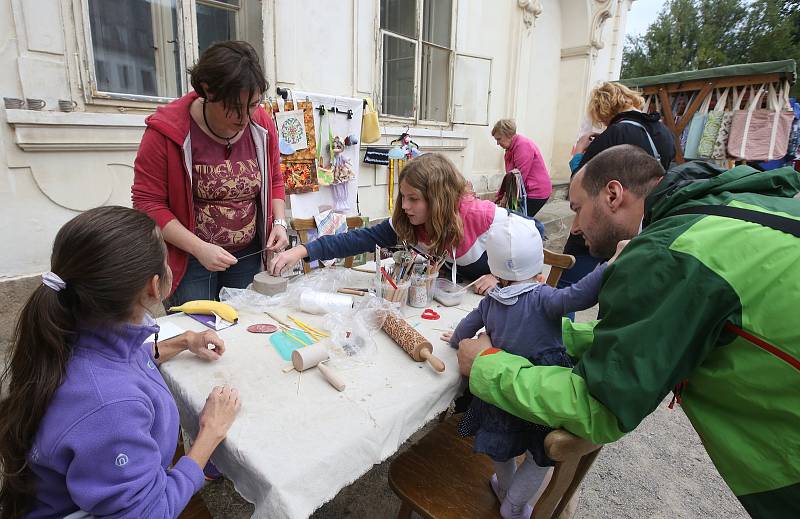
{"x": 558, "y": 264}
{"x": 573, "y": 457}
{"x": 303, "y": 225}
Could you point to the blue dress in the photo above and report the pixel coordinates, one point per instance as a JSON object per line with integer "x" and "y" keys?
{"x": 499, "y": 434}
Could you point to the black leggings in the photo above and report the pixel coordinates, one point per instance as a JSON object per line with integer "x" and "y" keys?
{"x": 534, "y": 205}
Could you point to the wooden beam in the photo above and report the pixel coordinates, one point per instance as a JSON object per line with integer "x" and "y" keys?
{"x": 666, "y": 112}
{"x": 690, "y": 111}
{"x": 691, "y": 86}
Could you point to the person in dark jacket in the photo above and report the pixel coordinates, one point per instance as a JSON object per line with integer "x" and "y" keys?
{"x": 619, "y": 109}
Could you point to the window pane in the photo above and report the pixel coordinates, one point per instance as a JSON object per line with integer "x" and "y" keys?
{"x": 436, "y": 20}
{"x": 132, "y": 49}
{"x": 400, "y": 16}
{"x": 214, "y": 24}
{"x": 434, "y": 97}
{"x": 398, "y": 76}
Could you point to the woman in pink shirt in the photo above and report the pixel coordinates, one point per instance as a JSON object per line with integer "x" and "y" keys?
{"x": 523, "y": 155}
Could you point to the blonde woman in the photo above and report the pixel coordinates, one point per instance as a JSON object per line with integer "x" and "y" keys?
{"x": 522, "y": 154}
{"x": 619, "y": 109}
{"x": 433, "y": 211}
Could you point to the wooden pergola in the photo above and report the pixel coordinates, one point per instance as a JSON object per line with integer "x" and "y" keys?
{"x": 701, "y": 83}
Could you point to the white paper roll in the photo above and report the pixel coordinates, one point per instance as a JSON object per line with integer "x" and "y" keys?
{"x": 315, "y": 302}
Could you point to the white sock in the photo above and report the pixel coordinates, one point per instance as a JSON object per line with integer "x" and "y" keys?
{"x": 505, "y": 473}
{"x": 526, "y": 481}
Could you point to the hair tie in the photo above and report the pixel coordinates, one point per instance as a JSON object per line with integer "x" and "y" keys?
{"x": 52, "y": 280}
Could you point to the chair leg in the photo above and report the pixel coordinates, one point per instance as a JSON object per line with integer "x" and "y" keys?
{"x": 405, "y": 511}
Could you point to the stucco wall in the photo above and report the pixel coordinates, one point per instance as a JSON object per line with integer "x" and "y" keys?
{"x": 53, "y": 164}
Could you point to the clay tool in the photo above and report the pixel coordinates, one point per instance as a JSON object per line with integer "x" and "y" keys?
{"x": 307, "y": 358}
{"x": 352, "y": 291}
{"x": 308, "y": 329}
{"x": 411, "y": 341}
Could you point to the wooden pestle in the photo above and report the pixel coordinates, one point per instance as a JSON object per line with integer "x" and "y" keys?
{"x": 413, "y": 342}
{"x": 315, "y": 356}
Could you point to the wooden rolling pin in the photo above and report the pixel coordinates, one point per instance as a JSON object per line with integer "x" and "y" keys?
{"x": 315, "y": 356}
{"x": 417, "y": 346}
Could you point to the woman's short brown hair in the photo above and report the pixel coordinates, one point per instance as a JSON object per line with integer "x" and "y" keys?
{"x": 608, "y": 99}
{"x": 505, "y": 127}
{"x": 229, "y": 68}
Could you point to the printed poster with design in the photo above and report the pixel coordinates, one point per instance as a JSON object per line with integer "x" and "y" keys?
{"x": 292, "y": 131}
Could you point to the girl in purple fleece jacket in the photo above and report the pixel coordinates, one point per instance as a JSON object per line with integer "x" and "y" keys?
{"x": 87, "y": 425}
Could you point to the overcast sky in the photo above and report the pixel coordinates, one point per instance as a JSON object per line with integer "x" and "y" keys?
{"x": 642, "y": 14}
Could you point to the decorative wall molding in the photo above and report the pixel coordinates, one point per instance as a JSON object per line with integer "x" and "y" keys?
{"x": 601, "y": 14}
{"x": 531, "y": 10}
{"x": 582, "y": 51}
{"x": 57, "y": 131}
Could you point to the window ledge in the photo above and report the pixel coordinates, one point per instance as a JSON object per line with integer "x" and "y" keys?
{"x": 75, "y": 131}
{"x": 429, "y": 139}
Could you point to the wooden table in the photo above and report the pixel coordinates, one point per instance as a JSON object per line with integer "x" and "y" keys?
{"x": 297, "y": 441}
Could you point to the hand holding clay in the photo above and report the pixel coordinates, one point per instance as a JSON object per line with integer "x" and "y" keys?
{"x": 286, "y": 258}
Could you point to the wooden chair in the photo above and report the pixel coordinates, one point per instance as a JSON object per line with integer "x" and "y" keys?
{"x": 303, "y": 225}
{"x": 441, "y": 478}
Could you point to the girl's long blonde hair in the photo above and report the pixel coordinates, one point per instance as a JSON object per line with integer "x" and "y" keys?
{"x": 442, "y": 186}
{"x": 608, "y": 99}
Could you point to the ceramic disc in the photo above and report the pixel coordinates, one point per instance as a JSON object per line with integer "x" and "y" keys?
{"x": 262, "y": 328}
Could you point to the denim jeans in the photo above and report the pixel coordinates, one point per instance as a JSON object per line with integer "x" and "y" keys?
{"x": 199, "y": 283}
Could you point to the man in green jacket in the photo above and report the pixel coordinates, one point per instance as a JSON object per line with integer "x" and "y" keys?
{"x": 703, "y": 301}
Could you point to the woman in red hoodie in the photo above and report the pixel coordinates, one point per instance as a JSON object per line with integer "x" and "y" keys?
{"x": 208, "y": 173}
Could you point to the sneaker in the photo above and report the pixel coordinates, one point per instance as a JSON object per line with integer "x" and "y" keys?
{"x": 498, "y": 491}
{"x": 508, "y": 510}
{"x": 211, "y": 472}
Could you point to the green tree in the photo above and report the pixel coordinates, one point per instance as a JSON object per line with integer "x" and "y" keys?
{"x": 697, "y": 34}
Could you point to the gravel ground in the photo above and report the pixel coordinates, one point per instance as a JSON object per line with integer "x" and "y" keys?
{"x": 658, "y": 471}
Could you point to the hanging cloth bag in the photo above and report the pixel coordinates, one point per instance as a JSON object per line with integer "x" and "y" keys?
{"x": 720, "y": 150}
{"x": 713, "y": 123}
{"x": 370, "y": 130}
{"x": 696, "y": 127}
{"x": 762, "y": 134}
{"x": 291, "y": 125}
{"x": 325, "y": 175}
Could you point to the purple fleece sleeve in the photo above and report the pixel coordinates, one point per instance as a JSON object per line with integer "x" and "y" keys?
{"x": 115, "y": 466}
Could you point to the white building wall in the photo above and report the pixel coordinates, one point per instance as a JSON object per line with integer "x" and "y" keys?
{"x": 54, "y": 164}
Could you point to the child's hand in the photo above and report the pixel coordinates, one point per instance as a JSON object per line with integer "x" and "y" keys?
{"x": 620, "y": 246}
{"x": 446, "y": 336}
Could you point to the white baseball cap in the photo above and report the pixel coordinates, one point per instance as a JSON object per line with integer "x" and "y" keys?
{"x": 514, "y": 249}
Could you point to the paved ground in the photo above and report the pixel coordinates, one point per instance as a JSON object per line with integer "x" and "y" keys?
{"x": 658, "y": 471}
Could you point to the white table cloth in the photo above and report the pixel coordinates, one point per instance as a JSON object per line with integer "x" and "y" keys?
{"x": 297, "y": 441}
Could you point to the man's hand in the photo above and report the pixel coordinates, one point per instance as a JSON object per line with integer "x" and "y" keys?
{"x": 446, "y": 336}
{"x": 198, "y": 343}
{"x": 468, "y": 349}
{"x": 484, "y": 284}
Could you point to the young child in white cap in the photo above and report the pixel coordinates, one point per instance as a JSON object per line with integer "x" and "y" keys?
{"x": 522, "y": 316}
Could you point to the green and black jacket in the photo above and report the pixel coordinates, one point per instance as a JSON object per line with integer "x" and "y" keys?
{"x": 706, "y": 305}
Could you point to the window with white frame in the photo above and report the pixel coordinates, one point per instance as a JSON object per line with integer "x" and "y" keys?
{"x": 417, "y": 58}
{"x": 138, "y": 49}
